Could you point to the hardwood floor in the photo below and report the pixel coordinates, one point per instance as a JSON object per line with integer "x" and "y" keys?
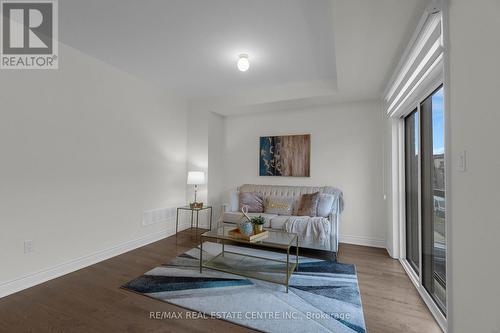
{"x": 90, "y": 299}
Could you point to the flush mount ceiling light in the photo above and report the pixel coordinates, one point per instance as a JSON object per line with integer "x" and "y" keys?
{"x": 243, "y": 63}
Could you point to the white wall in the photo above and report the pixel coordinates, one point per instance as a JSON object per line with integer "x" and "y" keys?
{"x": 475, "y": 194}
{"x": 392, "y": 223}
{"x": 216, "y": 169}
{"x": 197, "y": 151}
{"x": 346, "y": 152}
{"x": 84, "y": 150}
{"x": 205, "y": 153}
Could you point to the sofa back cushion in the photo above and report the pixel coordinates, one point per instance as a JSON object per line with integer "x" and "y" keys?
{"x": 253, "y": 200}
{"x": 279, "y": 205}
{"x": 308, "y": 205}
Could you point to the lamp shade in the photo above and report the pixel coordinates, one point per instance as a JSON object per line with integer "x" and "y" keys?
{"x": 196, "y": 177}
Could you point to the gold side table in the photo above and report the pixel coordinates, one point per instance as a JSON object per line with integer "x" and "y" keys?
{"x": 193, "y": 210}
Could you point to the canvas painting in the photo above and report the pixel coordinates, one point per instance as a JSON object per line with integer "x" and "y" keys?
{"x": 287, "y": 156}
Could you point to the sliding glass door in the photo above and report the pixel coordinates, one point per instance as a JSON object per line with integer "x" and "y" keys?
{"x": 433, "y": 198}
{"x": 425, "y": 196}
{"x": 412, "y": 159}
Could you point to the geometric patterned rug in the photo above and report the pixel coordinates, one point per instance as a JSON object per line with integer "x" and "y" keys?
{"x": 323, "y": 295}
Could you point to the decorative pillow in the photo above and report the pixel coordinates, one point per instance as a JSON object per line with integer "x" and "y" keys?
{"x": 279, "y": 205}
{"x": 325, "y": 204}
{"x": 253, "y": 200}
{"x": 308, "y": 205}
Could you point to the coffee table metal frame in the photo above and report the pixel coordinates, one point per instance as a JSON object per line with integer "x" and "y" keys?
{"x": 272, "y": 242}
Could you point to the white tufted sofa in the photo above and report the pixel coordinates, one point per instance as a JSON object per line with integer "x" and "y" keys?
{"x": 273, "y": 221}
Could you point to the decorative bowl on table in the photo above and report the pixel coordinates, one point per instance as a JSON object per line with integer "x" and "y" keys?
{"x": 246, "y": 228}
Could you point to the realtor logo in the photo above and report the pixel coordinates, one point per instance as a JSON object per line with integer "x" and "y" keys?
{"x": 29, "y": 34}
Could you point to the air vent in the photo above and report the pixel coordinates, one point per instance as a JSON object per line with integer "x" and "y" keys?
{"x": 158, "y": 215}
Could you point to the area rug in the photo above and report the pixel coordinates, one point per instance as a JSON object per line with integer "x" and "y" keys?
{"x": 323, "y": 295}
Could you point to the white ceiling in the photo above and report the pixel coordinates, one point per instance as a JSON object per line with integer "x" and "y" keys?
{"x": 304, "y": 50}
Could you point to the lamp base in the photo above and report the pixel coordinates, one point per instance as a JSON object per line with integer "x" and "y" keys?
{"x": 196, "y": 205}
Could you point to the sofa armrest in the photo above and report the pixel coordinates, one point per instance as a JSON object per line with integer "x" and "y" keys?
{"x": 334, "y": 241}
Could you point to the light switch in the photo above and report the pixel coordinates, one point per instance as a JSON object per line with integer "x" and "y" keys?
{"x": 462, "y": 161}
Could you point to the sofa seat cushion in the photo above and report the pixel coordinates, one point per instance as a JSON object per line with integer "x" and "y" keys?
{"x": 278, "y": 222}
{"x": 235, "y": 217}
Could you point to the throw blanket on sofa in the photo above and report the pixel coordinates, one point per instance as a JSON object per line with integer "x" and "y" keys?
{"x": 309, "y": 228}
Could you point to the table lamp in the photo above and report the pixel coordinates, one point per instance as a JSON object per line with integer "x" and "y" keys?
{"x": 196, "y": 178}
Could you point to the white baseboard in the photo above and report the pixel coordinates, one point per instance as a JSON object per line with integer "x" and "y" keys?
{"x": 364, "y": 241}
{"x": 30, "y": 280}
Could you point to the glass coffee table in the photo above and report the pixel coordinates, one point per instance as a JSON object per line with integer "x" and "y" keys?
{"x": 251, "y": 266}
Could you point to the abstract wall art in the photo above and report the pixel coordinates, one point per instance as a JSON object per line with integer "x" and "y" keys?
{"x": 288, "y": 155}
